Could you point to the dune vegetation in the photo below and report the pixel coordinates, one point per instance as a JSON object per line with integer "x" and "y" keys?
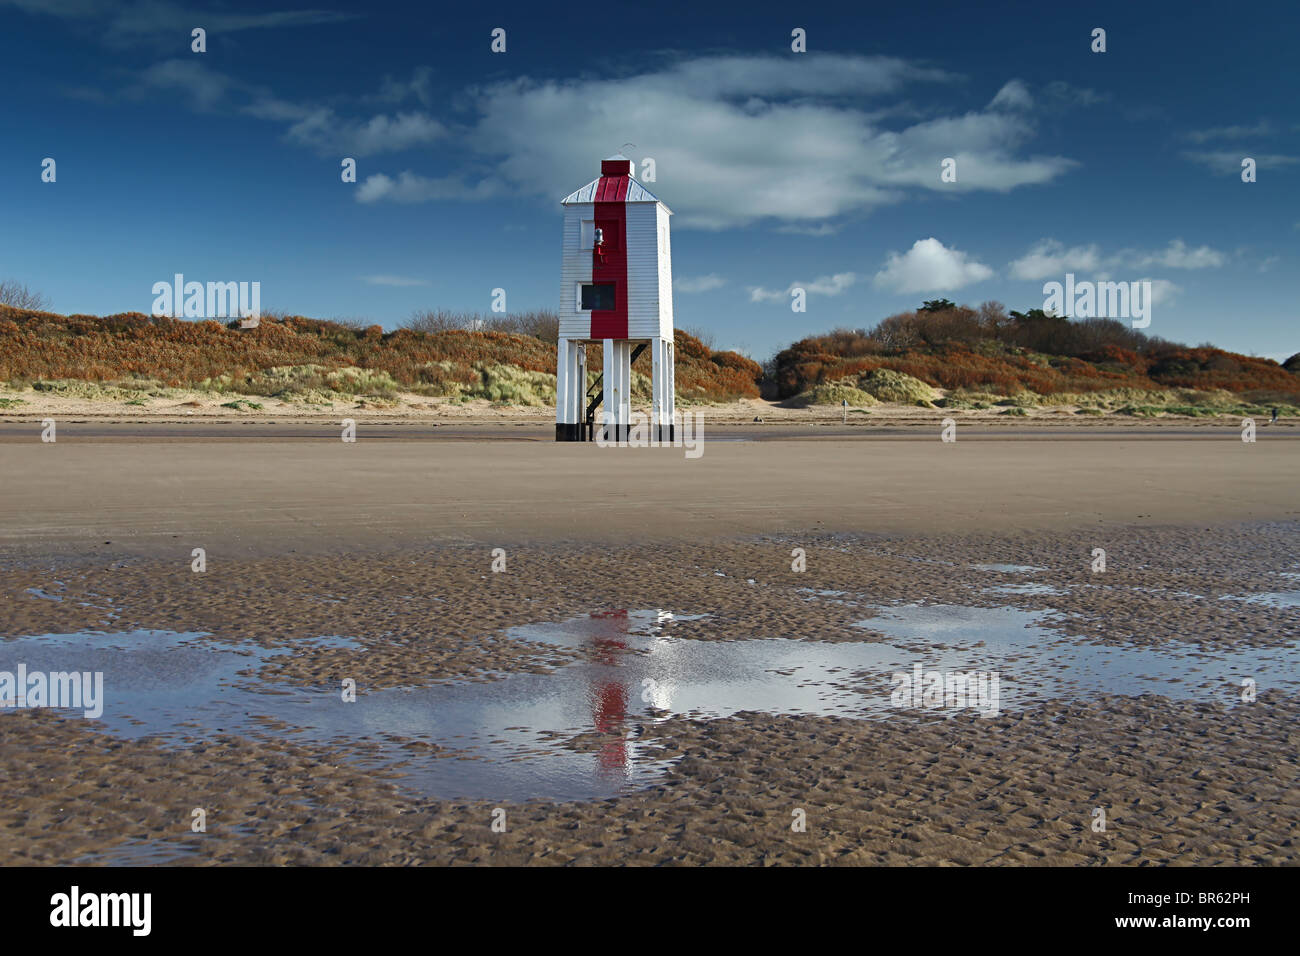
{"x": 942, "y": 355}
{"x": 987, "y": 357}
{"x": 314, "y": 361}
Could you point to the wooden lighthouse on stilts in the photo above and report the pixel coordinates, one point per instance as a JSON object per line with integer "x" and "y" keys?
{"x": 617, "y": 290}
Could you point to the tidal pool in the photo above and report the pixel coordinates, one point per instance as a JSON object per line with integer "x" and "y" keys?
{"x": 502, "y": 739}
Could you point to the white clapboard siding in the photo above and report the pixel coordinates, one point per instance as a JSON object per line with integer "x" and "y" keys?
{"x": 575, "y": 269}
{"x": 649, "y": 271}
{"x": 642, "y": 271}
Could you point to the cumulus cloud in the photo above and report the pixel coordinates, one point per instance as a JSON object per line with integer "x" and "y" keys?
{"x": 1178, "y": 256}
{"x": 318, "y": 128}
{"x": 930, "y": 266}
{"x": 743, "y": 139}
{"x": 1163, "y": 292}
{"x": 205, "y": 88}
{"x": 831, "y": 285}
{"x": 822, "y": 285}
{"x": 1057, "y": 95}
{"x": 410, "y": 187}
{"x": 821, "y": 229}
{"x": 324, "y": 131}
{"x": 1262, "y": 128}
{"x": 699, "y": 283}
{"x": 1061, "y": 94}
{"x": 158, "y": 22}
{"x": 1226, "y": 161}
{"x": 737, "y": 140}
{"x": 419, "y": 86}
{"x": 1048, "y": 257}
{"x": 1013, "y": 96}
{"x": 746, "y": 76}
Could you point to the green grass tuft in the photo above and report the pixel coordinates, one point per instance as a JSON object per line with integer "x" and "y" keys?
{"x": 834, "y": 393}
{"x": 890, "y": 386}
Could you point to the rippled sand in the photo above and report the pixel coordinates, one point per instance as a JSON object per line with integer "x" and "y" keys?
{"x": 393, "y": 569}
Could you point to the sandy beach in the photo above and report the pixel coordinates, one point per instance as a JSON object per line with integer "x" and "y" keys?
{"x": 677, "y": 436}
{"x": 319, "y": 492}
{"x": 524, "y": 689}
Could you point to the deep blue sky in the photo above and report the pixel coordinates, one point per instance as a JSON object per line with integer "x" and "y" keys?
{"x": 817, "y": 169}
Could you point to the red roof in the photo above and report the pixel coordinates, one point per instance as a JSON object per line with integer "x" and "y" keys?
{"x": 614, "y": 185}
{"x": 611, "y": 188}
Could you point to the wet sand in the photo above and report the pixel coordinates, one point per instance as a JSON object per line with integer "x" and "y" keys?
{"x": 260, "y": 498}
{"x": 1175, "y": 780}
{"x": 389, "y": 545}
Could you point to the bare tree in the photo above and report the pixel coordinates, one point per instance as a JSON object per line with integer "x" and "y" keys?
{"x": 16, "y": 295}
{"x": 440, "y": 320}
{"x": 542, "y": 324}
{"x": 704, "y": 335}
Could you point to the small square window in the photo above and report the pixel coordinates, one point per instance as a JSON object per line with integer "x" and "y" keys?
{"x": 598, "y": 297}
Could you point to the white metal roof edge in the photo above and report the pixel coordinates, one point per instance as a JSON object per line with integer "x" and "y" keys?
{"x": 635, "y": 193}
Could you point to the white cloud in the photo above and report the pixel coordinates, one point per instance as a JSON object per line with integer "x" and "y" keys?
{"x": 930, "y": 266}
{"x": 1049, "y": 257}
{"x": 1178, "y": 256}
{"x": 1057, "y": 95}
{"x": 736, "y": 139}
{"x": 742, "y": 139}
{"x": 412, "y": 188}
{"x": 395, "y": 281}
{"x": 985, "y": 143}
{"x": 1163, "y": 292}
{"x": 823, "y": 285}
{"x": 324, "y": 131}
{"x": 315, "y": 127}
{"x": 759, "y": 76}
{"x": 420, "y": 86}
{"x": 831, "y": 285}
{"x": 122, "y": 24}
{"x": 1224, "y": 161}
{"x": 821, "y": 229}
{"x": 1013, "y": 96}
{"x": 699, "y": 283}
{"x": 1262, "y": 128}
{"x": 205, "y": 87}
{"x": 1064, "y": 94}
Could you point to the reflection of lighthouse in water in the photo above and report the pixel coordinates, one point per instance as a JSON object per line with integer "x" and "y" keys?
{"x": 609, "y": 692}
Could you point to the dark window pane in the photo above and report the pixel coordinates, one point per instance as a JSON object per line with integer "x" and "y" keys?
{"x": 598, "y": 297}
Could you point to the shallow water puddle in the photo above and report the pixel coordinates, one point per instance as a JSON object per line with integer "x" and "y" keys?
{"x": 501, "y": 739}
{"x": 1037, "y": 663}
{"x": 1271, "y": 599}
{"x": 1008, "y": 568}
{"x": 1024, "y": 589}
{"x": 149, "y": 677}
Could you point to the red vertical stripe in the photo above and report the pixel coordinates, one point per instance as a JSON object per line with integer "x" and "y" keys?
{"x": 611, "y": 216}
